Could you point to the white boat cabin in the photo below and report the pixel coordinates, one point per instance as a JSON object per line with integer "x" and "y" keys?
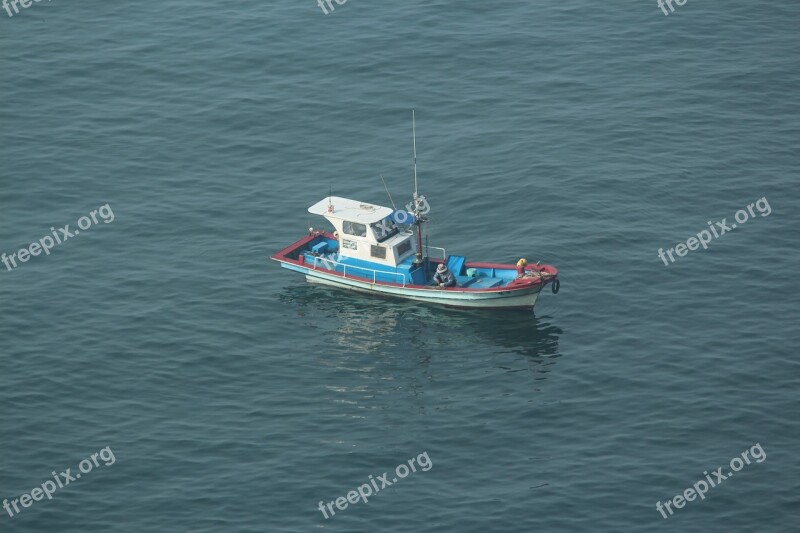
{"x": 366, "y": 232}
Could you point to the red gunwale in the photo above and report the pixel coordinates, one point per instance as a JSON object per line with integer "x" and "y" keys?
{"x": 281, "y": 256}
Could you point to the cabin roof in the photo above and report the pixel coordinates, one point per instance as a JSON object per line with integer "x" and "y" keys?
{"x": 350, "y": 210}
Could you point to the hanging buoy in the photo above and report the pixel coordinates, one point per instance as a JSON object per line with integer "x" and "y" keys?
{"x": 556, "y": 286}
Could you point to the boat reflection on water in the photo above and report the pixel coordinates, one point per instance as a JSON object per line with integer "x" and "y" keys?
{"x": 386, "y": 326}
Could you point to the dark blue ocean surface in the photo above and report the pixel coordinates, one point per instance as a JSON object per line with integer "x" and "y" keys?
{"x": 233, "y": 396}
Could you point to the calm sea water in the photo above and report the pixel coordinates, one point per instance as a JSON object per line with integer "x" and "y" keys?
{"x": 235, "y": 397}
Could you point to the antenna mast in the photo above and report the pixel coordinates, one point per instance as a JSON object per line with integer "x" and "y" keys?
{"x": 387, "y": 192}
{"x": 417, "y": 217}
{"x": 414, "y": 137}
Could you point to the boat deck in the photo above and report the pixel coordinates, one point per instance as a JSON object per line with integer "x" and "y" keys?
{"x": 472, "y": 276}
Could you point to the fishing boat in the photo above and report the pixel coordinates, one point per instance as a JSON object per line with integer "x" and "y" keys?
{"x": 379, "y": 250}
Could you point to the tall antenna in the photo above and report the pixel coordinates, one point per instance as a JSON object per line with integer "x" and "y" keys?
{"x": 417, "y": 218}
{"x": 414, "y": 136}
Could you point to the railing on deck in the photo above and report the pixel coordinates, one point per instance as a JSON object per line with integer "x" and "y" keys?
{"x": 328, "y": 262}
{"x": 426, "y": 247}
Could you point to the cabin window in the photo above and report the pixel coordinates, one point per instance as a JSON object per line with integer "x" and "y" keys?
{"x": 378, "y": 251}
{"x": 384, "y": 229}
{"x": 354, "y": 228}
{"x": 403, "y": 247}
